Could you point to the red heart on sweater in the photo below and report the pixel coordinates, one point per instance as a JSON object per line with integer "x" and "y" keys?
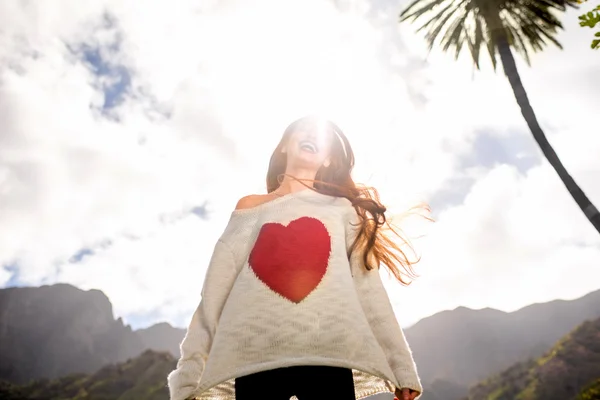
{"x": 291, "y": 260}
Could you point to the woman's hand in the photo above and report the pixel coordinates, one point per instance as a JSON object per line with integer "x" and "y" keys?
{"x": 406, "y": 394}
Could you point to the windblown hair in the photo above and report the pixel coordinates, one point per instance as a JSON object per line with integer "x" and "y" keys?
{"x": 373, "y": 239}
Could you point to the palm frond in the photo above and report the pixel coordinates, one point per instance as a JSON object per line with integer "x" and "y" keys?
{"x": 536, "y": 30}
{"x": 526, "y": 25}
{"x": 427, "y": 7}
{"x": 544, "y": 27}
{"x": 434, "y": 31}
{"x": 543, "y": 14}
{"x": 436, "y": 17}
{"x": 453, "y": 34}
{"x": 475, "y": 42}
{"x": 518, "y": 42}
{"x": 491, "y": 47}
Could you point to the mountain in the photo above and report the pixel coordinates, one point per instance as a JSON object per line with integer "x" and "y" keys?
{"x": 569, "y": 371}
{"x": 162, "y": 337}
{"x": 57, "y": 330}
{"x": 571, "y": 368}
{"x": 53, "y": 331}
{"x": 461, "y": 347}
{"x": 140, "y": 378}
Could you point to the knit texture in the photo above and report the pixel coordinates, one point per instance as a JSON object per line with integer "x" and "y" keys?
{"x": 280, "y": 291}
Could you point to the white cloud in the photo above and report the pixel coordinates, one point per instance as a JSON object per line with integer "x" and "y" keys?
{"x": 516, "y": 239}
{"x": 212, "y": 88}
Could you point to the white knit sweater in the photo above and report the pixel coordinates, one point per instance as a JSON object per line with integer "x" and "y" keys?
{"x": 280, "y": 291}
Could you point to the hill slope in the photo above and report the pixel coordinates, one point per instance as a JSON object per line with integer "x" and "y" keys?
{"x": 141, "y": 378}
{"x": 561, "y": 374}
{"x": 464, "y": 346}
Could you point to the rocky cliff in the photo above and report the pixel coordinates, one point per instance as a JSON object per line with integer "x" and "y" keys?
{"x": 52, "y": 331}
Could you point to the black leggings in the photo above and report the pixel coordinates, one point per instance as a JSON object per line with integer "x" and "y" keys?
{"x": 304, "y": 382}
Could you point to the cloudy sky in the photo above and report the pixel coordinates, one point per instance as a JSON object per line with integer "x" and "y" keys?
{"x": 128, "y": 133}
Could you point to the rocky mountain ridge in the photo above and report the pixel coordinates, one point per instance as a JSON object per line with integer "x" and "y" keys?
{"x": 52, "y": 331}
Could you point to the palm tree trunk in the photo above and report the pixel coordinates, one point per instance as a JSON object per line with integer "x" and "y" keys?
{"x": 510, "y": 69}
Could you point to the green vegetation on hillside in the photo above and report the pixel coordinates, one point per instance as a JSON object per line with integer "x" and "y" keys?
{"x": 561, "y": 374}
{"x": 140, "y": 378}
{"x": 591, "y": 392}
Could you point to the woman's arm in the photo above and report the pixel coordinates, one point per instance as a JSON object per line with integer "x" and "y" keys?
{"x": 196, "y": 344}
{"x": 380, "y": 314}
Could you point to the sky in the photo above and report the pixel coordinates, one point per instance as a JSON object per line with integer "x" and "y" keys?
{"x": 128, "y": 134}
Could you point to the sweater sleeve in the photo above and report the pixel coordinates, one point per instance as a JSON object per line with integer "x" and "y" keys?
{"x": 380, "y": 314}
{"x": 195, "y": 347}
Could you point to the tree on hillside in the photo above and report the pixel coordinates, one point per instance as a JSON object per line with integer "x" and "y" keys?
{"x": 500, "y": 26}
{"x": 590, "y": 19}
{"x": 591, "y": 392}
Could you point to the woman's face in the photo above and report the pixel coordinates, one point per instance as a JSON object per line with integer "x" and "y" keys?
{"x": 309, "y": 147}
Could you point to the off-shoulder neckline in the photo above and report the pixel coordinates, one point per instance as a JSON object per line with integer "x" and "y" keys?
{"x": 250, "y": 210}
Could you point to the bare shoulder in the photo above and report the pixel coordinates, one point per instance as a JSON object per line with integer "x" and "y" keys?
{"x": 252, "y": 200}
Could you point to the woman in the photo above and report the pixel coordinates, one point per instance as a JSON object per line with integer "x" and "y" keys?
{"x": 292, "y": 302}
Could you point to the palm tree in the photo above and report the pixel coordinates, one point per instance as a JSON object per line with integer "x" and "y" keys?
{"x": 499, "y": 25}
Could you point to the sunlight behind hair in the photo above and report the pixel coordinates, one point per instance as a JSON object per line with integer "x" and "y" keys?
{"x": 331, "y": 66}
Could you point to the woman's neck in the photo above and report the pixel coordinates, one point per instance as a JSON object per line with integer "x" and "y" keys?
{"x": 303, "y": 178}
